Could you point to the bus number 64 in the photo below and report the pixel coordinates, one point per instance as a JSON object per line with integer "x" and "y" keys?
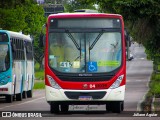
{"x": 92, "y": 86}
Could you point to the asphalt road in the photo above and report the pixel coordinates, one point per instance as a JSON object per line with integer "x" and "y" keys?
{"x": 138, "y": 75}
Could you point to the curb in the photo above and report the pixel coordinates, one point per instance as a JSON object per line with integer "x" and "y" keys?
{"x": 152, "y": 104}
{"x": 139, "y": 105}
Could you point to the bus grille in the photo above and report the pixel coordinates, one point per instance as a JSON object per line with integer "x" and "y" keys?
{"x": 85, "y": 79}
{"x": 94, "y": 95}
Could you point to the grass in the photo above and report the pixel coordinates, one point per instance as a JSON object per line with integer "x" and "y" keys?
{"x": 39, "y": 78}
{"x": 39, "y": 74}
{"x": 154, "y": 91}
{"x": 155, "y": 84}
{"x": 39, "y": 85}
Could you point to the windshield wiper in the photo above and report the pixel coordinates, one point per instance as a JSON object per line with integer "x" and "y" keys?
{"x": 73, "y": 40}
{"x": 96, "y": 40}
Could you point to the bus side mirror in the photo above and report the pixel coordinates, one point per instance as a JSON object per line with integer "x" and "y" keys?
{"x": 42, "y": 40}
{"x": 128, "y": 41}
{"x": 42, "y": 36}
{"x": 127, "y": 38}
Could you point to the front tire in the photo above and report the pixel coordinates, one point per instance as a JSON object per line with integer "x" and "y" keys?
{"x": 118, "y": 107}
{"x": 29, "y": 94}
{"x": 9, "y": 98}
{"x": 19, "y": 97}
{"x": 115, "y": 107}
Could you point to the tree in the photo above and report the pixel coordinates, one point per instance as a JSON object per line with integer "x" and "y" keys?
{"x": 26, "y": 16}
{"x": 72, "y": 5}
{"x": 142, "y": 17}
{"x": 35, "y": 20}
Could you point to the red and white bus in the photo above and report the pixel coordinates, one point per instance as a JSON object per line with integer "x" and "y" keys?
{"x": 85, "y": 61}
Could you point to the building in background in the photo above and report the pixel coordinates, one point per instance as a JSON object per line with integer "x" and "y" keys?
{"x": 51, "y": 6}
{"x": 40, "y": 1}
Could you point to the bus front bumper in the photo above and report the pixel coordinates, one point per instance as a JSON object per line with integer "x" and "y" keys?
{"x": 6, "y": 89}
{"x": 116, "y": 94}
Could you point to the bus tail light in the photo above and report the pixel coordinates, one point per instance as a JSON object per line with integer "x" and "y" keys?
{"x": 117, "y": 82}
{"x": 53, "y": 83}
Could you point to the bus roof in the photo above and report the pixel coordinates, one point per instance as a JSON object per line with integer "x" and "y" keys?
{"x": 17, "y": 35}
{"x": 82, "y": 15}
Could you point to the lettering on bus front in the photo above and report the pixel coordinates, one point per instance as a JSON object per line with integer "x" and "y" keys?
{"x": 94, "y": 86}
{"x": 85, "y": 74}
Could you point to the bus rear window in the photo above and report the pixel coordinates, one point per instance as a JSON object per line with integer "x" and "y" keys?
{"x": 85, "y": 23}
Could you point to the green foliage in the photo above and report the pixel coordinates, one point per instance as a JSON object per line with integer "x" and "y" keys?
{"x": 154, "y": 84}
{"x": 142, "y": 17}
{"x": 12, "y": 19}
{"x": 34, "y": 19}
{"x": 158, "y": 67}
{"x": 23, "y": 15}
{"x": 70, "y": 6}
{"x": 39, "y": 85}
{"x": 39, "y": 78}
{"x": 39, "y": 73}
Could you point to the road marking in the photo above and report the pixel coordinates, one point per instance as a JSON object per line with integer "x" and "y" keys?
{"x": 22, "y": 103}
{"x": 137, "y": 58}
{"x": 136, "y": 81}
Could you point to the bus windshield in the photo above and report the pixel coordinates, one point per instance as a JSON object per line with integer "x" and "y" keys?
{"x": 4, "y": 57}
{"x": 3, "y": 37}
{"x": 85, "y": 52}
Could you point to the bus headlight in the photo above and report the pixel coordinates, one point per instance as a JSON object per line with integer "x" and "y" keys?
{"x": 53, "y": 82}
{"x": 117, "y": 82}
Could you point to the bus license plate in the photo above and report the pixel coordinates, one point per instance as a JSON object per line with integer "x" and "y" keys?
{"x": 85, "y": 98}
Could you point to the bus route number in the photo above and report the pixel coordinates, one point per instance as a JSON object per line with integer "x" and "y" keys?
{"x": 65, "y": 64}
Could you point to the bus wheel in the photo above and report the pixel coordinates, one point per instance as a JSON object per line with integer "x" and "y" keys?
{"x": 117, "y": 107}
{"x": 54, "y": 107}
{"x": 64, "y": 108}
{"x": 29, "y": 94}
{"x": 19, "y": 97}
{"x": 24, "y": 94}
{"x": 9, "y": 98}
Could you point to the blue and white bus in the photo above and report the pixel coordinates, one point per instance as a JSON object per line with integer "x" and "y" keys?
{"x": 16, "y": 65}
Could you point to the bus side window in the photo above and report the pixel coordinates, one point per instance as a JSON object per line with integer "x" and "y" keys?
{"x": 13, "y": 47}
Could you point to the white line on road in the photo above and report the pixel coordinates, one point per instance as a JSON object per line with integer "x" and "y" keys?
{"x": 136, "y": 81}
{"x": 139, "y": 58}
{"x": 22, "y": 103}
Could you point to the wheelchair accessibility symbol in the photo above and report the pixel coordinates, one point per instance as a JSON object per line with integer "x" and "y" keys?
{"x": 92, "y": 66}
